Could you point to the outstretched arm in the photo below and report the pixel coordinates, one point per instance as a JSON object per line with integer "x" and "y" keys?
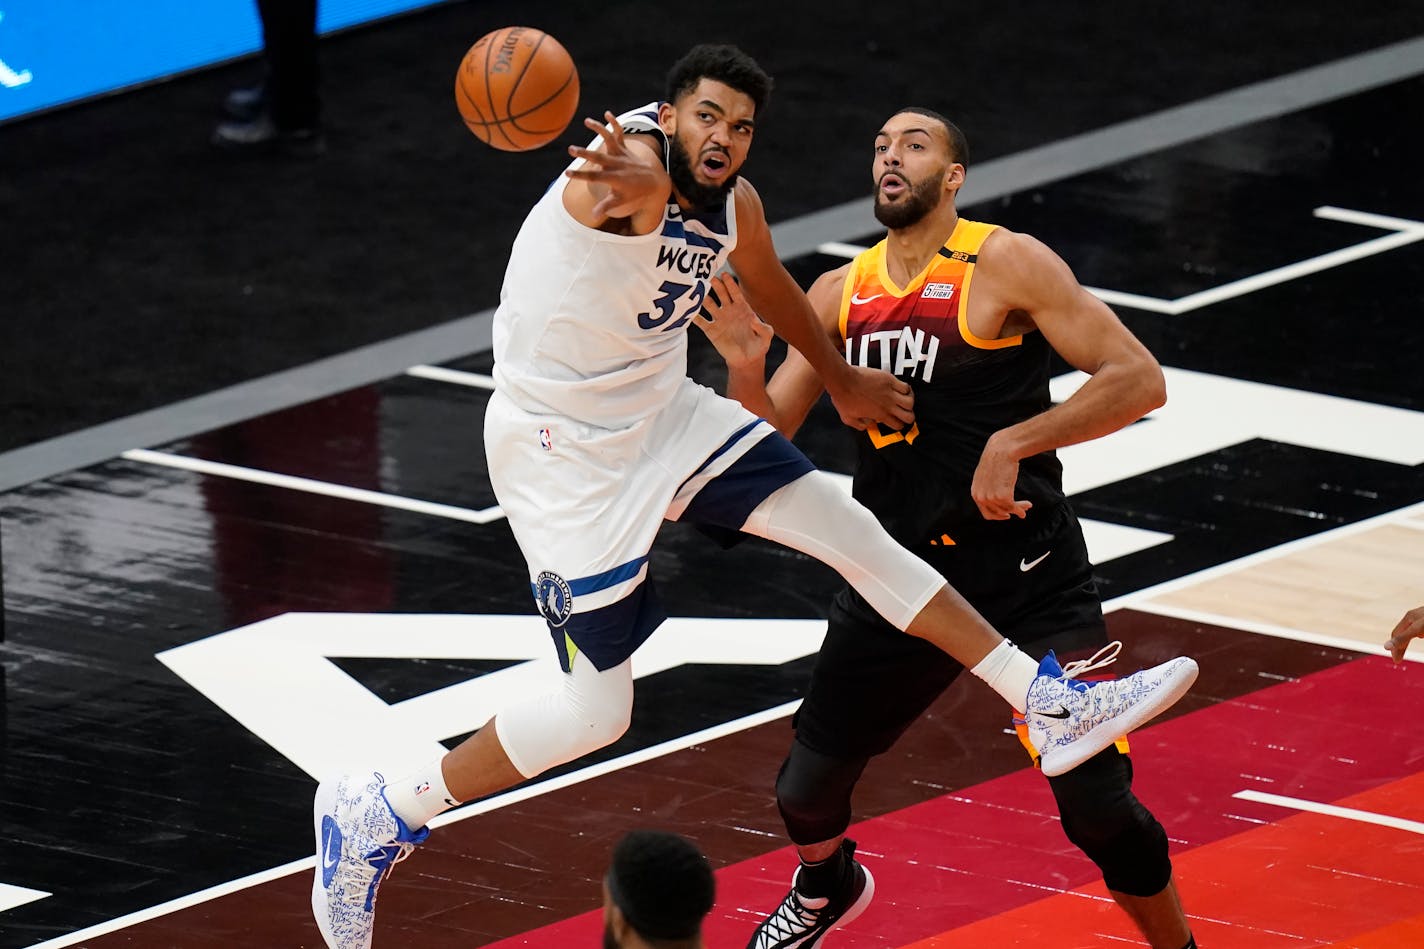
{"x": 1019, "y": 274}
{"x": 861, "y": 395}
{"x": 621, "y": 181}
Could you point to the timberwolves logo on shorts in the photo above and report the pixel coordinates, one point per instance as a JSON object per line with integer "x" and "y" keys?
{"x": 554, "y": 598}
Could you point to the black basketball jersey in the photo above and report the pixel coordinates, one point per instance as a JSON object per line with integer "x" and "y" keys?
{"x": 966, "y": 389}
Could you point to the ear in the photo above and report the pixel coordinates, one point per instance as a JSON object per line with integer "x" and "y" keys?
{"x": 617, "y": 922}
{"x": 954, "y": 178}
{"x": 667, "y": 118}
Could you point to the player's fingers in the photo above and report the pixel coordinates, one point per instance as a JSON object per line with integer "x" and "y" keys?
{"x": 597, "y": 127}
{"x": 731, "y": 289}
{"x": 902, "y": 405}
{"x": 612, "y": 133}
{"x": 716, "y": 292}
{"x": 1410, "y": 624}
{"x": 591, "y": 155}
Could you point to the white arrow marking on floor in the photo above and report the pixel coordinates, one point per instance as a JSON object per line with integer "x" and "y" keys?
{"x": 12, "y": 896}
{"x": 274, "y": 676}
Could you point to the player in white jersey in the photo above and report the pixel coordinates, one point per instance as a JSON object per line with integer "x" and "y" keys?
{"x": 595, "y": 435}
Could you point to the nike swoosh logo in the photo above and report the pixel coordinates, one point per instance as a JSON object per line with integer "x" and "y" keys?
{"x": 858, "y": 299}
{"x": 330, "y": 856}
{"x": 1026, "y": 565}
{"x": 1061, "y": 713}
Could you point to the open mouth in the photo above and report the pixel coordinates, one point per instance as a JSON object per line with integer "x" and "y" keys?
{"x": 715, "y": 164}
{"x": 892, "y": 184}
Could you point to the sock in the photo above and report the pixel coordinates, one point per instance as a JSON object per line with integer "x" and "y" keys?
{"x": 824, "y": 877}
{"x": 420, "y": 796}
{"x": 1009, "y": 671}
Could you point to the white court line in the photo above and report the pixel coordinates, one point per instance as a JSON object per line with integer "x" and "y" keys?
{"x": 256, "y": 476}
{"x": 460, "y": 378}
{"x": 1134, "y": 600}
{"x": 837, "y": 249}
{"x": 1270, "y": 629}
{"x": 1330, "y": 810}
{"x": 1407, "y": 233}
{"x": 449, "y": 817}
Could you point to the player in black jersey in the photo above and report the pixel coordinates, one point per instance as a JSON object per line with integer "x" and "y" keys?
{"x": 974, "y": 488}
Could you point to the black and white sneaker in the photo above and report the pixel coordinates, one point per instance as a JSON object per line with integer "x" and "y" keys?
{"x": 804, "y": 922}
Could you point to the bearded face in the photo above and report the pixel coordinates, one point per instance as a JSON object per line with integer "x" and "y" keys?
{"x": 909, "y": 206}
{"x": 702, "y": 197}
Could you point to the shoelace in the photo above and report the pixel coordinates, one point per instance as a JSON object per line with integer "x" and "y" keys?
{"x": 793, "y": 917}
{"x": 1102, "y": 658}
{"x": 383, "y": 860}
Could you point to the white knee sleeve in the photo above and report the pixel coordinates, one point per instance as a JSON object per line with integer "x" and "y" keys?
{"x": 813, "y": 515}
{"x": 592, "y": 709}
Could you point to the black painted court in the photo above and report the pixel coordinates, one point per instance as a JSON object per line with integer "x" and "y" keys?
{"x": 152, "y": 271}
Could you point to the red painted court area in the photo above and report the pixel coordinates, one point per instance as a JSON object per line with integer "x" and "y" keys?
{"x": 990, "y": 867}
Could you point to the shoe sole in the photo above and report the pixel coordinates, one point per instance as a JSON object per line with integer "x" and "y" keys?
{"x": 1066, "y": 759}
{"x": 323, "y": 804}
{"x": 852, "y": 912}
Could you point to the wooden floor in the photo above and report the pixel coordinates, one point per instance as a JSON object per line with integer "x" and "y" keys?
{"x": 195, "y": 628}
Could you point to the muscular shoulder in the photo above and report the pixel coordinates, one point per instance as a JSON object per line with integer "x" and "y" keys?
{"x": 1014, "y": 256}
{"x": 753, "y": 233}
{"x": 648, "y": 140}
{"x": 750, "y": 210}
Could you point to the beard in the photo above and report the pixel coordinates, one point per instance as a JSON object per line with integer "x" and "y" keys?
{"x": 914, "y": 204}
{"x": 702, "y": 197}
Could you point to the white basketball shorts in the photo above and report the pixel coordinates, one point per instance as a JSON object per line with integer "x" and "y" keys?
{"x": 585, "y": 504}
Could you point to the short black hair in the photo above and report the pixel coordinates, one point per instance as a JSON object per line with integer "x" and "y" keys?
{"x": 725, "y": 64}
{"x": 662, "y": 883}
{"x": 958, "y": 145}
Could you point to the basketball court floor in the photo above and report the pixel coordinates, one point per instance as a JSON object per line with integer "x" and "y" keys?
{"x": 196, "y": 626}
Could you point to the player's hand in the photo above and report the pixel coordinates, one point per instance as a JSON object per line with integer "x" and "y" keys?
{"x": 741, "y": 338}
{"x": 865, "y": 396}
{"x": 1410, "y": 626}
{"x": 627, "y": 181}
{"x": 993, "y": 487}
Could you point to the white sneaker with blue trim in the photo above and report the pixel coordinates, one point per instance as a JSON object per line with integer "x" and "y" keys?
{"x": 358, "y": 840}
{"x": 1069, "y": 721}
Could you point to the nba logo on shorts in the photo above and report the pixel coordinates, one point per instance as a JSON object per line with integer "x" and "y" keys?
{"x": 546, "y": 438}
{"x": 554, "y": 598}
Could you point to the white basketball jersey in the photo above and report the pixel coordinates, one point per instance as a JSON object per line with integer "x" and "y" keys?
{"x": 593, "y": 325}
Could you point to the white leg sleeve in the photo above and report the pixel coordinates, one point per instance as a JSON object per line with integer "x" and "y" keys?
{"x": 591, "y": 710}
{"x": 813, "y": 515}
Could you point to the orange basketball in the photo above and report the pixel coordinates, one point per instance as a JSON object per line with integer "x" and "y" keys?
{"x": 517, "y": 88}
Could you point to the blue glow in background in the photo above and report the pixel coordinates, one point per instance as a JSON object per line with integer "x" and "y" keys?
{"x": 74, "y": 49}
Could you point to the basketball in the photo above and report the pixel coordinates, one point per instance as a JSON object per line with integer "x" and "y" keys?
{"x": 517, "y": 88}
